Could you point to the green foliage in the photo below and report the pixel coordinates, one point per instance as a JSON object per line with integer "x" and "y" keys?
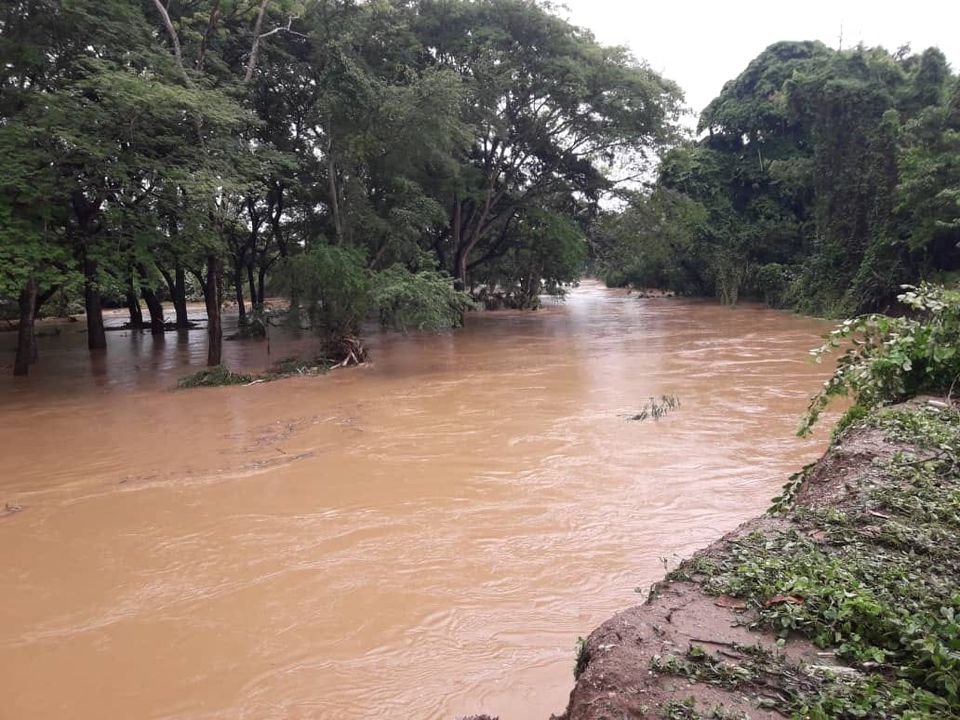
{"x": 288, "y": 367}
{"x": 324, "y": 147}
{"x": 340, "y": 291}
{"x": 893, "y": 358}
{"x": 825, "y": 179}
{"x": 336, "y": 286}
{"x": 214, "y": 377}
{"x": 639, "y": 246}
{"x": 424, "y": 300}
{"x": 548, "y": 252}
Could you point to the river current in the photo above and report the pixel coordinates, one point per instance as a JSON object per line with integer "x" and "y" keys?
{"x": 423, "y": 537}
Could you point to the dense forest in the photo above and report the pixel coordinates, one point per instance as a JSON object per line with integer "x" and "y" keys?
{"x": 365, "y": 159}
{"x": 408, "y": 160}
{"x": 821, "y": 181}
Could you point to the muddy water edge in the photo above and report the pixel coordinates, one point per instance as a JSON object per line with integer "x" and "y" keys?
{"x": 423, "y": 537}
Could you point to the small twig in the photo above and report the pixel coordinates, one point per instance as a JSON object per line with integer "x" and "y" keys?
{"x": 939, "y": 456}
{"x": 713, "y": 642}
{"x": 950, "y": 391}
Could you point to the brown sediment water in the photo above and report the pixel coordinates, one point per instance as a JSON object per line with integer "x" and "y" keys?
{"x": 423, "y": 537}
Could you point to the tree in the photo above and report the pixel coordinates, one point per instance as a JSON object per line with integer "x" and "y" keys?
{"x": 551, "y": 110}
{"x": 827, "y": 179}
{"x": 153, "y": 146}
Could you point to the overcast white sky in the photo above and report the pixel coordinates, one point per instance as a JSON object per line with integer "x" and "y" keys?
{"x": 701, "y": 45}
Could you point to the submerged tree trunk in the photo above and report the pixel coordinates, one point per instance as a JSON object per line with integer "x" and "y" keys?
{"x": 238, "y": 291}
{"x": 261, "y": 283}
{"x": 213, "y": 296}
{"x": 93, "y": 304}
{"x": 177, "y": 285}
{"x": 26, "y": 341}
{"x": 179, "y": 295}
{"x": 157, "y": 323}
{"x": 133, "y": 306}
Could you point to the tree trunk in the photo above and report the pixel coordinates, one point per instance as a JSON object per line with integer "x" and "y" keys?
{"x": 255, "y": 50}
{"x": 238, "y": 291}
{"x": 96, "y": 336}
{"x": 461, "y": 276}
{"x": 177, "y": 285}
{"x": 334, "y": 192}
{"x": 179, "y": 295}
{"x": 157, "y": 323}
{"x": 460, "y": 256}
{"x": 26, "y": 342}
{"x": 213, "y": 296}
{"x": 252, "y": 285}
{"x": 174, "y": 40}
{"x": 261, "y": 284}
{"x": 43, "y": 298}
{"x": 133, "y": 305}
{"x": 211, "y": 27}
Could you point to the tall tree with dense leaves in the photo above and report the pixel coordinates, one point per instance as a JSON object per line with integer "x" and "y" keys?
{"x": 827, "y": 178}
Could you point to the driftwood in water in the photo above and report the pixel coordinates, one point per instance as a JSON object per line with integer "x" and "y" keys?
{"x": 344, "y": 351}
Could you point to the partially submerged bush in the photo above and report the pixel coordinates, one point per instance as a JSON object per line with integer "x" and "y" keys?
{"x": 340, "y": 291}
{"x": 657, "y": 408}
{"x": 894, "y": 358}
{"x": 424, "y": 300}
{"x": 214, "y": 377}
{"x": 297, "y": 366}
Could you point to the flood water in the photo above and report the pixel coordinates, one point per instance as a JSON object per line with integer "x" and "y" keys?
{"x": 423, "y": 537}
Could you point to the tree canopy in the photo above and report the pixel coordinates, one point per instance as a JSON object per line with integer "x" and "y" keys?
{"x": 822, "y": 180}
{"x": 151, "y": 150}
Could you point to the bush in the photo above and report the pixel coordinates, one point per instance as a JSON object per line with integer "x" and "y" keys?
{"x": 615, "y": 279}
{"x": 214, "y": 377}
{"x": 424, "y": 300}
{"x": 335, "y": 284}
{"x": 773, "y": 283}
{"x": 891, "y": 359}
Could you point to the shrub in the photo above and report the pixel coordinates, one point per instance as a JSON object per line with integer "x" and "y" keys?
{"x": 890, "y": 359}
{"x": 213, "y": 377}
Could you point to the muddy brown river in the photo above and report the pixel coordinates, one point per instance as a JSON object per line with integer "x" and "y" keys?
{"x": 423, "y": 537}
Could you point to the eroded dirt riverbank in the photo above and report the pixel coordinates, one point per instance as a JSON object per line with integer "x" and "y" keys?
{"x": 425, "y": 536}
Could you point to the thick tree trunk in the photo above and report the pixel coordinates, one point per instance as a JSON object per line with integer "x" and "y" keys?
{"x": 26, "y": 341}
{"x": 43, "y": 298}
{"x": 213, "y": 296}
{"x": 238, "y": 292}
{"x": 261, "y": 284}
{"x": 133, "y": 306}
{"x": 157, "y": 322}
{"x": 93, "y": 304}
{"x": 179, "y": 295}
{"x": 177, "y": 285}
